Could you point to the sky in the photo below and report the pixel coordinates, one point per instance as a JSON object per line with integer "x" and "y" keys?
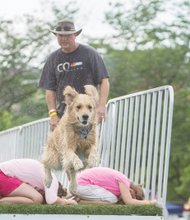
{"x": 90, "y": 16}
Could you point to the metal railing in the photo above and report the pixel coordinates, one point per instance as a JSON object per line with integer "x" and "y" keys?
{"x": 24, "y": 141}
{"x": 134, "y": 139}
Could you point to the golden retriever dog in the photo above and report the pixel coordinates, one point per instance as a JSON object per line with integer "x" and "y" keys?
{"x": 72, "y": 145}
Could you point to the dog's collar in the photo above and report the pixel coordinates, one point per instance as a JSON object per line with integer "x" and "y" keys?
{"x": 84, "y": 131}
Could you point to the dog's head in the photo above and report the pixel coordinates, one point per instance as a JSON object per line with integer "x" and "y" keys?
{"x": 81, "y": 107}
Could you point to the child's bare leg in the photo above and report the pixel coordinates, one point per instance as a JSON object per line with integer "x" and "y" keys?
{"x": 15, "y": 200}
{"x": 24, "y": 194}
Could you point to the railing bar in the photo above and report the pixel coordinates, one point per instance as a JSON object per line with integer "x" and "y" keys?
{"x": 124, "y": 162}
{"x": 128, "y": 146}
{"x": 150, "y": 145}
{"x": 134, "y": 138}
{"x": 168, "y": 142}
{"x": 162, "y": 146}
{"x": 139, "y": 143}
{"x": 113, "y": 137}
{"x": 119, "y": 135}
{"x": 145, "y": 139}
{"x": 157, "y": 135}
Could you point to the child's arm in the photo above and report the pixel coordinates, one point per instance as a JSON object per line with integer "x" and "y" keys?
{"x": 127, "y": 198}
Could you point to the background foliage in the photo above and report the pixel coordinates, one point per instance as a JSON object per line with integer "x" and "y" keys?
{"x": 144, "y": 52}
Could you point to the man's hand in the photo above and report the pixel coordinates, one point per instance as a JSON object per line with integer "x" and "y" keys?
{"x": 101, "y": 113}
{"x": 53, "y": 122}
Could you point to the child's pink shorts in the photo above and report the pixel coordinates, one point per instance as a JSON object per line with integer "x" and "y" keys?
{"x": 8, "y": 184}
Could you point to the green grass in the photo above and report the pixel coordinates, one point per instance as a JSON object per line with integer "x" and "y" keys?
{"x": 148, "y": 210}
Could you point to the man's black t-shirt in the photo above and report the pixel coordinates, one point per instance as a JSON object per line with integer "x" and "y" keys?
{"x": 82, "y": 67}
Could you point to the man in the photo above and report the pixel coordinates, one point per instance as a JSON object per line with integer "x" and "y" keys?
{"x": 73, "y": 64}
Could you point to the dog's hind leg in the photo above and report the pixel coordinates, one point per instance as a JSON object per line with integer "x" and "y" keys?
{"x": 48, "y": 177}
{"x": 72, "y": 178}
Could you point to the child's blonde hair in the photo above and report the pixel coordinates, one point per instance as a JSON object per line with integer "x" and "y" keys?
{"x": 137, "y": 191}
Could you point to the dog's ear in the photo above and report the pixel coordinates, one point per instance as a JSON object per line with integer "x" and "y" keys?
{"x": 92, "y": 91}
{"x": 69, "y": 94}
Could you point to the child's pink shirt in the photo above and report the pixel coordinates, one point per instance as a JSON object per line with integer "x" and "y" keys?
{"x": 104, "y": 177}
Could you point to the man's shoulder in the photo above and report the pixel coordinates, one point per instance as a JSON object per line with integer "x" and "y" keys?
{"x": 55, "y": 53}
{"x": 87, "y": 48}
{"x": 53, "y": 56}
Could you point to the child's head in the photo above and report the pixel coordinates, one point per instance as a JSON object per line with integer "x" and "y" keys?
{"x": 136, "y": 191}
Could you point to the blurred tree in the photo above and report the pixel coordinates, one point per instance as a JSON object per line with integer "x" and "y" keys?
{"x": 148, "y": 24}
{"x": 179, "y": 178}
{"x": 5, "y": 120}
{"x": 142, "y": 69}
{"x": 21, "y": 57}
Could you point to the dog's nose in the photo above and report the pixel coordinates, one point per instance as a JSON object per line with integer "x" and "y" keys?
{"x": 85, "y": 117}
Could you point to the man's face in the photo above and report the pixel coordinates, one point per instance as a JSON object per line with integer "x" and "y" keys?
{"x": 67, "y": 42}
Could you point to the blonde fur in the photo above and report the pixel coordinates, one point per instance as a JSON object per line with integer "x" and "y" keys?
{"x": 74, "y": 136}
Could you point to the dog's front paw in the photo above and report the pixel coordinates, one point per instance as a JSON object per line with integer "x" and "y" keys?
{"x": 91, "y": 162}
{"x": 78, "y": 165}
